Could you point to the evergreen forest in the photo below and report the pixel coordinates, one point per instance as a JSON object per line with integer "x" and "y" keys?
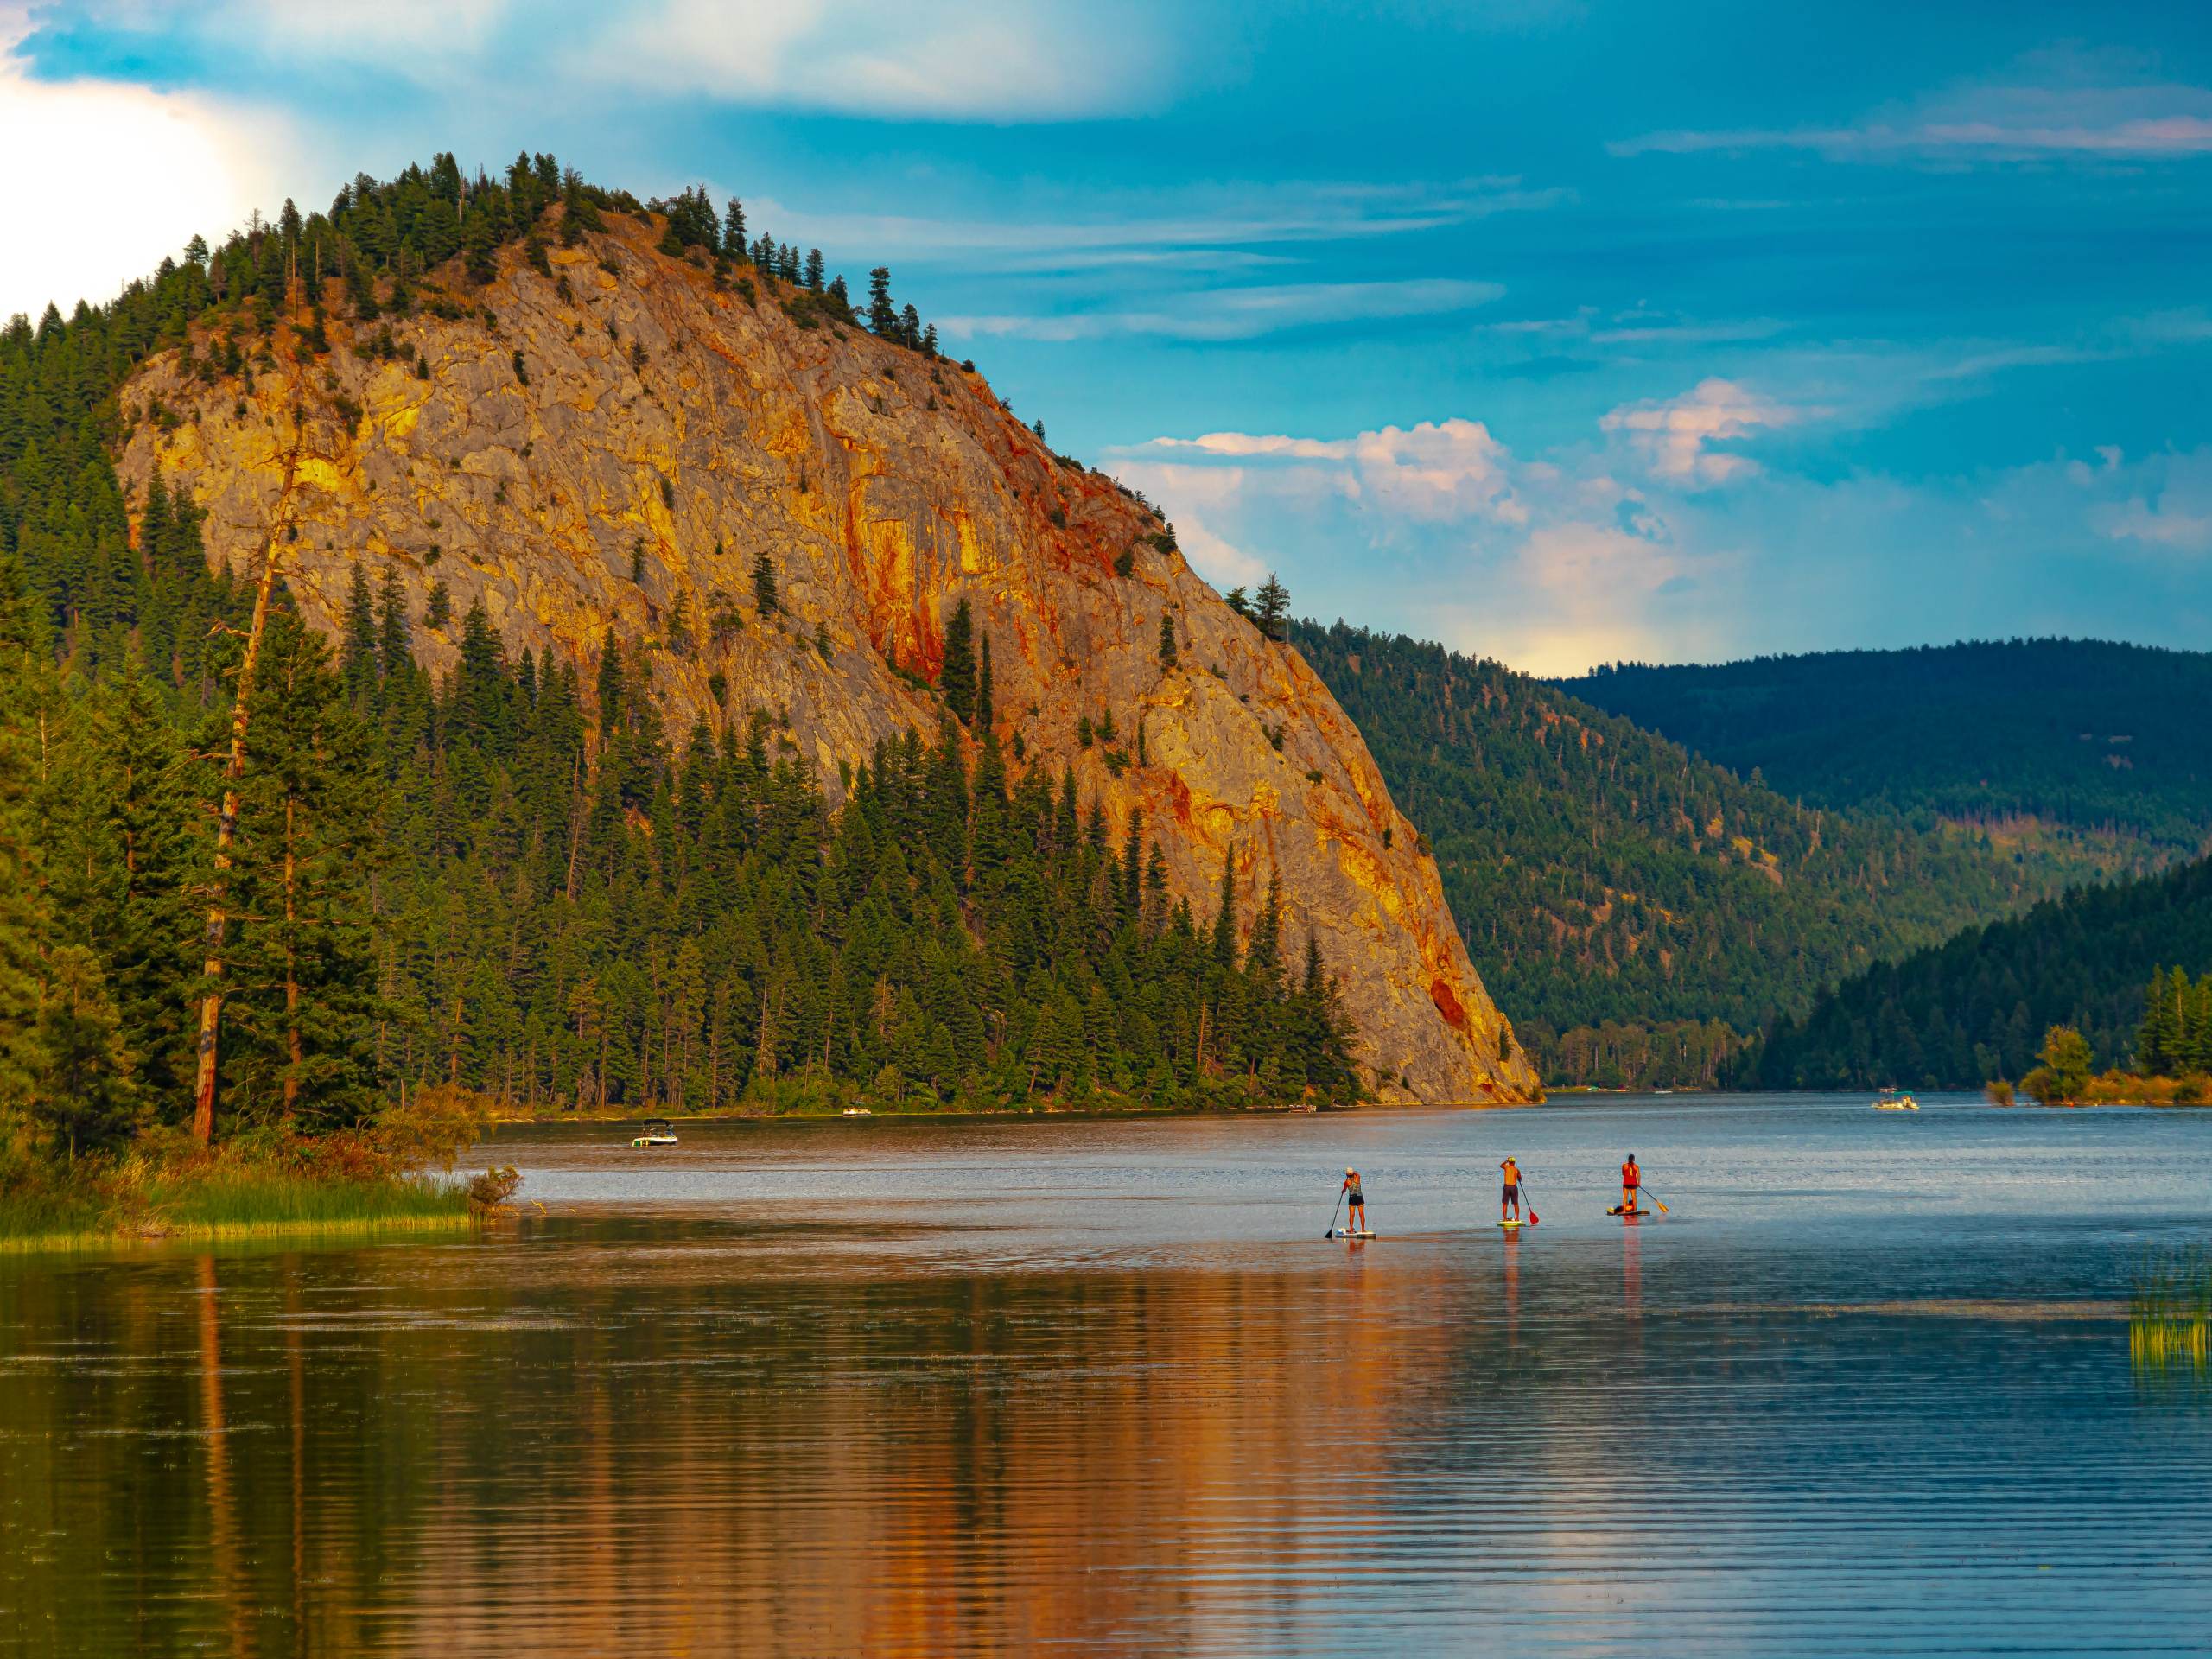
{"x": 1640, "y": 910}
{"x": 1978, "y": 1006}
{"x": 514, "y": 881}
{"x": 2079, "y": 737}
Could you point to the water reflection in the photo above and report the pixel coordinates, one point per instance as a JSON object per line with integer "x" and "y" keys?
{"x": 864, "y": 1434}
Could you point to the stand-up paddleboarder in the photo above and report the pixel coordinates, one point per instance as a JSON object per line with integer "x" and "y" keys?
{"x": 1355, "y": 1204}
{"x": 1509, "y": 1200}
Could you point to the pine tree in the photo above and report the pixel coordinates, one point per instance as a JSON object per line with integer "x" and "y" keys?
{"x": 1271, "y": 609}
{"x": 144, "y": 921}
{"x": 765, "y": 599}
{"x": 23, "y": 922}
{"x": 357, "y": 655}
{"x": 957, "y": 675}
{"x": 395, "y": 646}
{"x": 86, "y": 1096}
{"x": 438, "y": 610}
{"x": 302, "y": 997}
{"x": 1224, "y": 917}
{"x": 1167, "y": 652}
{"x": 882, "y": 315}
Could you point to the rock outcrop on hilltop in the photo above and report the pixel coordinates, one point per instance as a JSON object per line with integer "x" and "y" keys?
{"x": 609, "y": 451}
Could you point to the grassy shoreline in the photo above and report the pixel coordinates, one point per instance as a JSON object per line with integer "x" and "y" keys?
{"x": 221, "y": 1202}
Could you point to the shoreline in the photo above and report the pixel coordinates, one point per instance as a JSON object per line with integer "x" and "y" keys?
{"x": 891, "y": 1113}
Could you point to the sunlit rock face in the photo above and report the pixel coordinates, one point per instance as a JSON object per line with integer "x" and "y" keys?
{"x": 661, "y": 433}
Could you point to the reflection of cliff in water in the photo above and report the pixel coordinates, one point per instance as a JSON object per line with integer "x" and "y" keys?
{"x": 635, "y": 1449}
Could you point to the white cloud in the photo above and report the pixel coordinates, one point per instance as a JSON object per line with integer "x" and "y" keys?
{"x": 1435, "y": 469}
{"x": 2170, "y": 507}
{"x": 1536, "y": 564}
{"x": 189, "y": 163}
{"x": 1220, "y": 563}
{"x": 1584, "y": 594}
{"x": 1672, "y": 434}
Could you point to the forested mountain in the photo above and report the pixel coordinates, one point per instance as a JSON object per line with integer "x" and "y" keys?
{"x": 486, "y": 487}
{"x": 2024, "y": 736}
{"x": 432, "y": 886}
{"x": 1977, "y": 1006}
{"x": 1636, "y": 906}
{"x": 610, "y": 426}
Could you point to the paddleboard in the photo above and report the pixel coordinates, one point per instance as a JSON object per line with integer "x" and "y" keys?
{"x": 1629, "y": 1215}
{"x": 1341, "y": 1232}
{"x": 1513, "y": 1224}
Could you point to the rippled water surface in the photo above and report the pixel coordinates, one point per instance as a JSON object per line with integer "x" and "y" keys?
{"x": 943, "y": 1388}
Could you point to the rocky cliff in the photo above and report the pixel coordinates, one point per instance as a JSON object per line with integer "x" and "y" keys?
{"x": 605, "y": 450}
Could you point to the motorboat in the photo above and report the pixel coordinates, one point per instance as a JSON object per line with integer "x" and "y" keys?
{"x": 1892, "y": 1101}
{"x": 658, "y": 1133}
{"x": 857, "y": 1111}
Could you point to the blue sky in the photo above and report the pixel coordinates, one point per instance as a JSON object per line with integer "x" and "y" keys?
{"x": 1561, "y": 332}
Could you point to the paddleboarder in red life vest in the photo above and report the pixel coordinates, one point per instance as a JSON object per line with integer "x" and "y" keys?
{"x": 1509, "y": 1199}
{"x": 1355, "y": 1210}
{"x": 1631, "y": 1179}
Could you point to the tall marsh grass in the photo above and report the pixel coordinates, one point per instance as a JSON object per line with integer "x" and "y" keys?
{"x": 163, "y": 1193}
{"x": 2171, "y": 1312}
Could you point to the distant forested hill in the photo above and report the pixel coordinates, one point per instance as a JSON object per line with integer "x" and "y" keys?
{"x": 2073, "y": 733}
{"x": 1630, "y": 904}
{"x": 1976, "y": 1006}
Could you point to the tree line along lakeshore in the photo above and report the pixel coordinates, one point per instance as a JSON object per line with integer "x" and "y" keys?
{"x": 512, "y": 882}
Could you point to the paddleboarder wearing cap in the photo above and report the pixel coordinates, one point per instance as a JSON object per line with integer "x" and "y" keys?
{"x": 1509, "y": 1201}
{"x": 1356, "y": 1203}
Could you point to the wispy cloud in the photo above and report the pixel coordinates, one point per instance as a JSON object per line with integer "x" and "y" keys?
{"x": 1199, "y": 225}
{"x": 1225, "y": 314}
{"x": 2048, "y": 105}
{"x": 1675, "y": 435}
{"x": 995, "y": 61}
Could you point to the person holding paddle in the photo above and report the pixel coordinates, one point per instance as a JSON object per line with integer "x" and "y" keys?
{"x": 1631, "y": 1179}
{"x": 1355, "y": 1210}
{"x": 1509, "y": 1199}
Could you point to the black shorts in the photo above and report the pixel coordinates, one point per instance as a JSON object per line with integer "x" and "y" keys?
{"x": 1355, "y": 1200}
{"x": 1511, "y": 1195}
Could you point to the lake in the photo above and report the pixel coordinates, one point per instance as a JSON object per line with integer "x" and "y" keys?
{"x": 929, "y": 1387}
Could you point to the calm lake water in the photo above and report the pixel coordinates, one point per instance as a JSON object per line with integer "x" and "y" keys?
{"x": 925, "y": 1387}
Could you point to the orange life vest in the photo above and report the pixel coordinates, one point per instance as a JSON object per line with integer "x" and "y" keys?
{"x": 1630, "y": 1176}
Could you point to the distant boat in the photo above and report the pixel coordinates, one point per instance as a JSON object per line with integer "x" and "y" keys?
{"x": 658, "y": 1133}
{"x": 1892, "y": 1100}
{"x": 857, "y": 1111}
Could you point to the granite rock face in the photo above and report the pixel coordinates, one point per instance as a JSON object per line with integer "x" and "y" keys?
{"x": 603, "y": 453}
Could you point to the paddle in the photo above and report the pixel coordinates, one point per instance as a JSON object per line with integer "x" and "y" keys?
{"x": 1533, "y": 1217}
{"x": 1654, "y": 1197}
{"x": 1331, "y": 1233}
